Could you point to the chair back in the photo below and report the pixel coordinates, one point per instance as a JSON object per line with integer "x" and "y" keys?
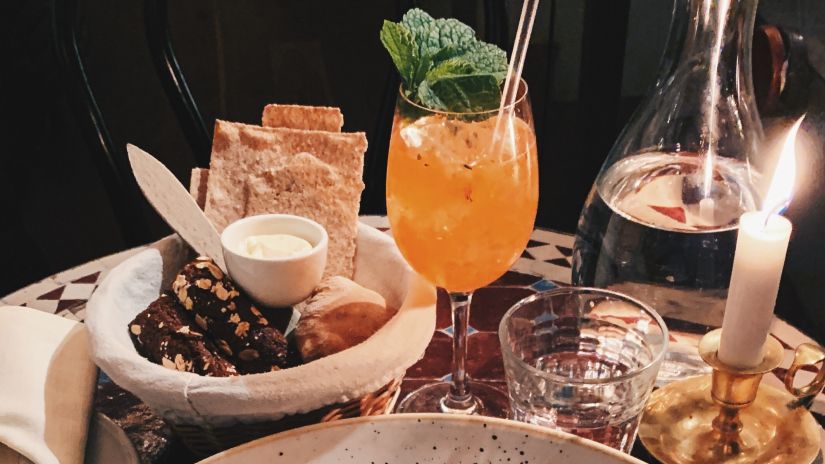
{"x": 375, "y": 163}
{"x": 112, "y": 163}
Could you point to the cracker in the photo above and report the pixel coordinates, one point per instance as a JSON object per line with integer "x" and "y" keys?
{"x": 306, "y": 186}
{"x": 197, "y": 185}
{"x": 330, "y": 180}
{"x": 321, "y": 118}
{"x": 287, "y": 116}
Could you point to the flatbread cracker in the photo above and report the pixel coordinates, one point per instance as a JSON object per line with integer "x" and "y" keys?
{"x": 240, "y": 151}
{"x": 306, "y": 186}
{"x": 274, "y": 115}
{"x": 320, "y": 118}
{"x": 197, "y": 185}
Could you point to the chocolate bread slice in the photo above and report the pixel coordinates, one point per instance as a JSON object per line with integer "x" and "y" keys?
{"x": 239, "y": 329}
{"x": 163, "y": 333}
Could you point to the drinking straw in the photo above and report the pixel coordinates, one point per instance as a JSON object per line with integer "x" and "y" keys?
{"x": 511, "y": 83}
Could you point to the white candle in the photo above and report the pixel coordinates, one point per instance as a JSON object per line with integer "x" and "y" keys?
{"x": 757, "y": 268}
{"x": 754, "y": 284}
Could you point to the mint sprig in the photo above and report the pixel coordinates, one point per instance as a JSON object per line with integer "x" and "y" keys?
{"x": 442, "y": 64}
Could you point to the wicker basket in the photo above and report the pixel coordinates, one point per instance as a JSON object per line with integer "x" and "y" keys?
{"x": 214, "y": 413}
{"x": 205, "y": 441}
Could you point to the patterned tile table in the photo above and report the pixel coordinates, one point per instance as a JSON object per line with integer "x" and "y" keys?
{"x": 545, "y": 264}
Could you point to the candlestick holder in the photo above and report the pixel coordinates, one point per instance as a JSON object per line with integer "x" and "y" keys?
{"x": 728, "y": 417}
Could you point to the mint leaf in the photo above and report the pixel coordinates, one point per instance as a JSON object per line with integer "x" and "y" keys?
{"x": 446, "y": 53}
{"x": 422, "y": 67}
{"x": 468, "y": 93}
{"x": 428, "y": 98}
{"x": 416, "y": 20}
{"x": 444, "y": 33}
{"x": 451, "y": 67}
{"x": 487, "y": 58}
{"x": 398, "y": 40}
{"x": 433, "y": 35}
{"x": 442, "y": 64}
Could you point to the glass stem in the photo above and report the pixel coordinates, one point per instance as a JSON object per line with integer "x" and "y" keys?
{"x": 460, "y": 399}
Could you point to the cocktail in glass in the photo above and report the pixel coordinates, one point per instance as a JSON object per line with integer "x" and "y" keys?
{"x": 461, "y": 209}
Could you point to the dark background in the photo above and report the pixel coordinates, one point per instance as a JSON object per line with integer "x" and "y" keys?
{"x": 589, "y": 63}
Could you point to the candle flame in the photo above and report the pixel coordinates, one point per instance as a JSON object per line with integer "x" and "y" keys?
{"x": 781, "y": 189}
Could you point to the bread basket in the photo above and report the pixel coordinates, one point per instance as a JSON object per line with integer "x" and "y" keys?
{"x": 215, "y": 413}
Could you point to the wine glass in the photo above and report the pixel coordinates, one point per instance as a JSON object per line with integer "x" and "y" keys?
{"x": 461, "y": 212}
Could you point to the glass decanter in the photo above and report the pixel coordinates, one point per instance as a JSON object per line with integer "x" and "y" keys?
{"x": 660, "y": 222}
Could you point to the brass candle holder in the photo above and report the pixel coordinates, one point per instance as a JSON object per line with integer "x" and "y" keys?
{"x": 728, "y": 417}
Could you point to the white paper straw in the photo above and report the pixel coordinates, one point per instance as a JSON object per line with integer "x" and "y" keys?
{"x": 514, "y": 69}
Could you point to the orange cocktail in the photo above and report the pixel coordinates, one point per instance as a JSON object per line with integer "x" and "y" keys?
{"x": 460, "y": 212}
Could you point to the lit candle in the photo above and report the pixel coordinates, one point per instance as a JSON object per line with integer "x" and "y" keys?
{"x": 761, "y": 246}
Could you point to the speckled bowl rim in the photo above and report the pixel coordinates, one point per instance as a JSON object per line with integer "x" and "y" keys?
{"x": 535, "y": 430}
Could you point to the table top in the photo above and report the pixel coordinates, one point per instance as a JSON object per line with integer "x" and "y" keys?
{"x": 545, "y": 264}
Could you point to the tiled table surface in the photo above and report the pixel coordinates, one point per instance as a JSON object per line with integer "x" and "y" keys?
{"x": 545, "y": 264}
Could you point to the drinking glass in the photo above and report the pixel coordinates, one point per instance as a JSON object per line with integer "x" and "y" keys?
{"x": 582, "y": 360}
{"x": 461, "y": 213}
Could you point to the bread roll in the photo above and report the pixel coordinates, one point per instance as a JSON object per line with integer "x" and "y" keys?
{"x": 338, "y": 315}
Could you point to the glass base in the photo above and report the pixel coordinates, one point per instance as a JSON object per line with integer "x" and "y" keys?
{"x": 485, "y": 401}
{"x": 680, "y": 366}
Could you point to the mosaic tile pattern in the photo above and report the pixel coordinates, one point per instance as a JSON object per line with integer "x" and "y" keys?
{"x": 545, "y": 264}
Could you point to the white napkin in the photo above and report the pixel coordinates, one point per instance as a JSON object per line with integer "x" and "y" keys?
{"x": 47, "y": 381}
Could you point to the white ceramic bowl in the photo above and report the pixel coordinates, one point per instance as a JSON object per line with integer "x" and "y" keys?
{"x": 276, "y": 282}
{"x": 419, "y": 438}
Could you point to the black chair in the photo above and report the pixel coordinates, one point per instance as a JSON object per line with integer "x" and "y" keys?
{"x": 156, "y": 23}
{"x": 112, "y": 163}
{"x": 198, "y": 134}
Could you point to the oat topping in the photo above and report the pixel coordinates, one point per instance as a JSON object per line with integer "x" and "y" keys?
{"x": 206, "y": 263}
{"x": 221, "y": 292}
{"x": 242, "y": 329}
{"x": 135, "y": 329}
{"x": 201, "y": 321}
{"x": 179, "y": 363}
{"x": 180, "y": 282}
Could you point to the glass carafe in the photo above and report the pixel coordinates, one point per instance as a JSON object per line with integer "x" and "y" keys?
{"x": 660, "y": 222}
